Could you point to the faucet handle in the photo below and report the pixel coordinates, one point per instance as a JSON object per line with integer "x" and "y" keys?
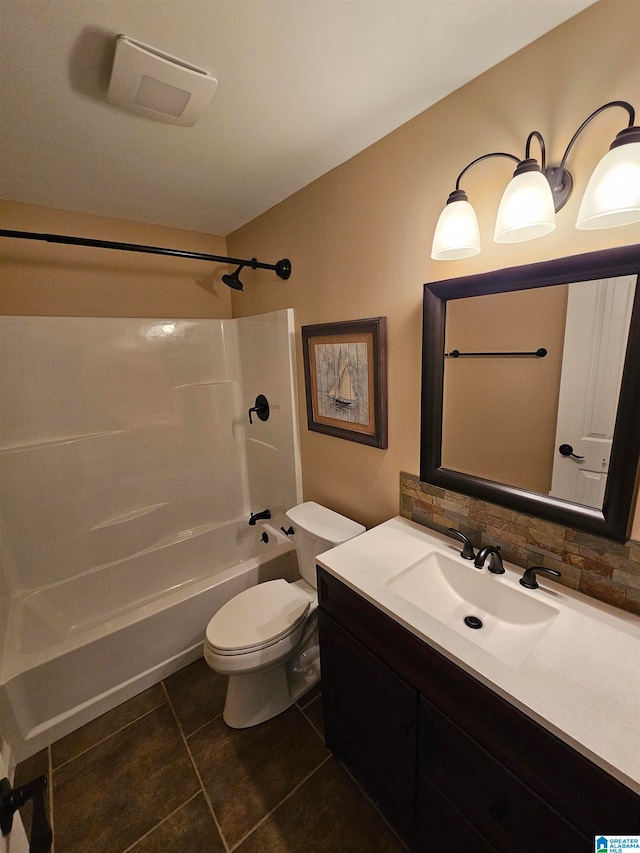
{"x": 467, "y": 552}
{"x": 261, "y": 408}
{"x": 529, "y": 579}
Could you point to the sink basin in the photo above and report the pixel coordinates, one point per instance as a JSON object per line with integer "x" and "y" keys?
{"x": 513, "y": 622}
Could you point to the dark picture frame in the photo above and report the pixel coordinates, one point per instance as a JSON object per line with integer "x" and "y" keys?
{"x": 345, "y": 372}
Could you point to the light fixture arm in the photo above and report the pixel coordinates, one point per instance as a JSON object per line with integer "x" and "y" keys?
{"x": 623, "y": 104}
{"x": 559, "y": 177}
{"x": 484, "y": 157}
{"x": 543, "y": 150}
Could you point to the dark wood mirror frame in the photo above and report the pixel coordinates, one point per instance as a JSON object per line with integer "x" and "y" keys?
{"x": 614, "y": 519}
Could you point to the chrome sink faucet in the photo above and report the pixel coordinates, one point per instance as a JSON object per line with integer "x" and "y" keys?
{"x": 495, "y": 559}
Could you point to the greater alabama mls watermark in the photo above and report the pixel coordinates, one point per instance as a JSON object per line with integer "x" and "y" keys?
{"x": 616, "y": 843}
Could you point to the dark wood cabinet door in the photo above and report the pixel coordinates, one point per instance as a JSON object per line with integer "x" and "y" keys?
{"x": 370, "y": 719}
{"x": 440, "y": 826}
{"x": 512, "y": 817}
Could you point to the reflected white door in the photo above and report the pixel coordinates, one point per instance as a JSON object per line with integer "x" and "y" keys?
{"x": 597, "y": 327}
{"x": 16, "y": 841}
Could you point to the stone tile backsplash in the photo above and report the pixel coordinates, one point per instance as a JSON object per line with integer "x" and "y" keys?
{"x": 606, "y": 570}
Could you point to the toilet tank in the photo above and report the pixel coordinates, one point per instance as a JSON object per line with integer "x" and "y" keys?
{"x": 316, "y": 530}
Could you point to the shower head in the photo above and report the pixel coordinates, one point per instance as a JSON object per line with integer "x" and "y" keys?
{"x": 232, "y": 280}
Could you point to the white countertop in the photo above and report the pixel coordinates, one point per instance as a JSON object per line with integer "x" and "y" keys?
{"x": 582, "y": 679}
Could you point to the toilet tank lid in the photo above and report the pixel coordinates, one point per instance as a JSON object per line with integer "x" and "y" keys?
{"x": 323, "y": 523}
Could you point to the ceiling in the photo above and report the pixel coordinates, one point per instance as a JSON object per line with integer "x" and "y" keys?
{"x": 303, "y": 86}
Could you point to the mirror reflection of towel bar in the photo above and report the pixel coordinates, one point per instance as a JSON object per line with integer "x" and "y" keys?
{"x": 539, "y": 353}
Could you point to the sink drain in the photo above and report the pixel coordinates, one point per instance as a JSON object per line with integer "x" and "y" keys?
{"x": 472, "y": 622}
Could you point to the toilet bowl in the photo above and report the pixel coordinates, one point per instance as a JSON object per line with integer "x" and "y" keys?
{"x": 265, "y": 639}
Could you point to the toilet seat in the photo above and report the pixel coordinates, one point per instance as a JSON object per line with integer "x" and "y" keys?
{"x": 257, "y": 618}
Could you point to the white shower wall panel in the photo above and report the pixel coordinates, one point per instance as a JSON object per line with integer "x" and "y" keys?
{"x": 115, "y": 435}
{"x": 266, "y": 345}
{"x": 81, "y": 376}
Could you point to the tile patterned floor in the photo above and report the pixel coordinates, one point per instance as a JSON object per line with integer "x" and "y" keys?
{"x": 162, "y": 772}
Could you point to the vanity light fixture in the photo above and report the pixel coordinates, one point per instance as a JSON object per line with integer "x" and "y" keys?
{"x": 535, "y": 192}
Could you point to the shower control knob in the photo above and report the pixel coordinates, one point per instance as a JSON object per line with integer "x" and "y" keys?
{"x": 261, "y": 408}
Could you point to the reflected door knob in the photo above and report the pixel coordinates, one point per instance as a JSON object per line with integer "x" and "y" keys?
{"x": 567, "y": 450}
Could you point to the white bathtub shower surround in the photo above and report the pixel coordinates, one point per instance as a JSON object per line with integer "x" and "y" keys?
{"x": 52, "y": 692}
{"x": 128, "y": 470}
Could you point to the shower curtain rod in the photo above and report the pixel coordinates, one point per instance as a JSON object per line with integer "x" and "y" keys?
{"x": 282, "y": 268}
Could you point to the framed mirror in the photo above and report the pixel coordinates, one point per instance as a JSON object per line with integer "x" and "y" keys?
{"x": 531, "y": 388}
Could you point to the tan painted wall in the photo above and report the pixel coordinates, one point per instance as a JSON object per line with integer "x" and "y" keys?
{"x": 57, "y": 280}
{"x": 359, "y": 238}
{"x": 499, "y": 417}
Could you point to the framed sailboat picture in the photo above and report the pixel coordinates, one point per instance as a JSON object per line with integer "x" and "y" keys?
{"x": 345, "y": 368}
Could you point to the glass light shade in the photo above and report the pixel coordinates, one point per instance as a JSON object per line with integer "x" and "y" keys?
{"x": 457, "y": 233}
{"x": 612, "y": 196}
{"x": 526, "y": 209}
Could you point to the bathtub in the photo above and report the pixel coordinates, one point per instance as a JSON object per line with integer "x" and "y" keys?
{"x": 78, "y": 648}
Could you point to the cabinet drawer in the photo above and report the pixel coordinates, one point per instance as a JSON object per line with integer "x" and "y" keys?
{"x": 506, "y": 812}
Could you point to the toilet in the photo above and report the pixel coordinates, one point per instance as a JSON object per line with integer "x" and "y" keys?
{"x": 266, "y": 638}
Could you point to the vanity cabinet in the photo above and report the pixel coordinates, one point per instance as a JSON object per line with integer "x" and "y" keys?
{"x": 453, "y": 765}
{"x": 374, "y": 719}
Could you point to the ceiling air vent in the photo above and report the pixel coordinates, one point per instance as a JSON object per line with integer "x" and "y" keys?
{"x": 154, "y": 84}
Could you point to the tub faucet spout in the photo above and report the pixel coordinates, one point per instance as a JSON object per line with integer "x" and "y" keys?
{"x": 259, "y": 515}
